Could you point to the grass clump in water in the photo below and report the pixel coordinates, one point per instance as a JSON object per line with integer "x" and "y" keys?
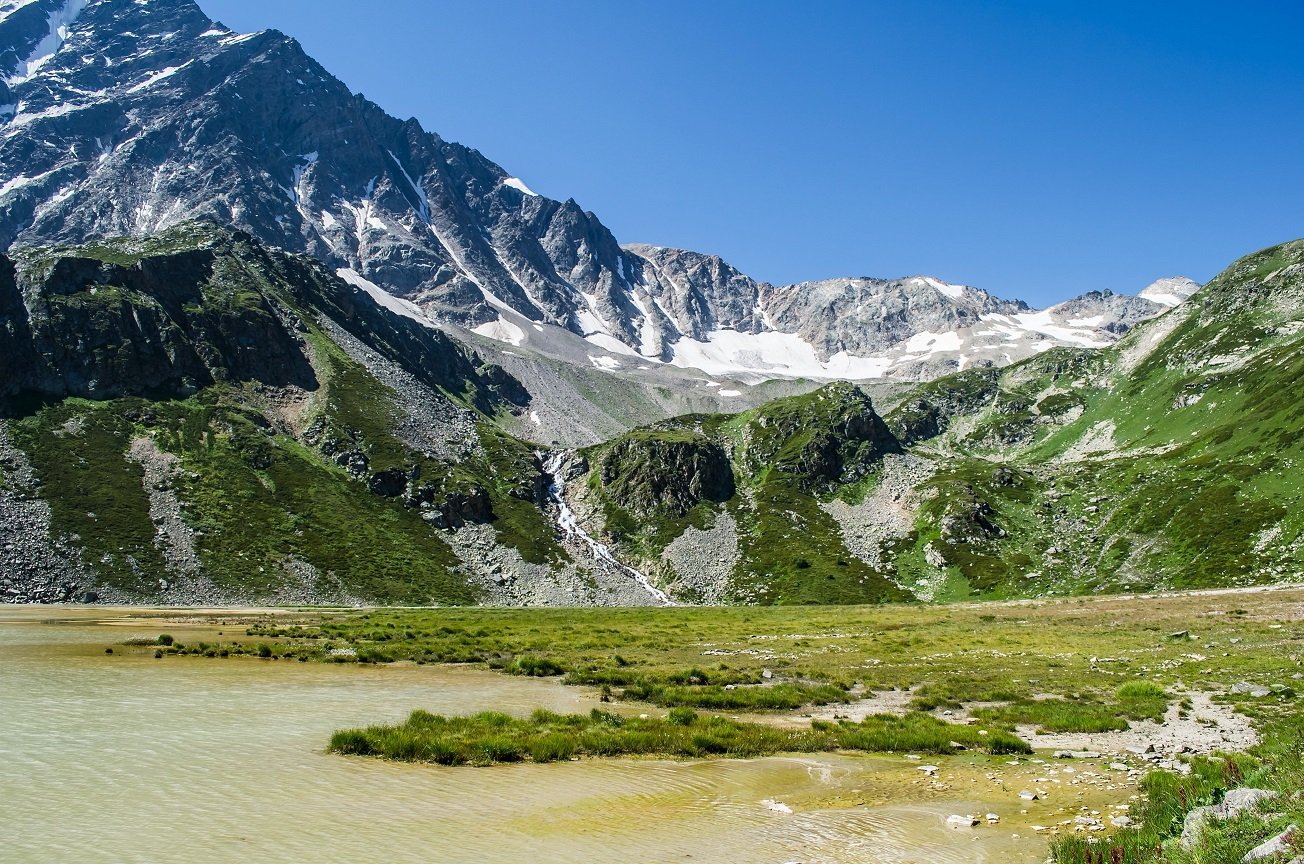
{"x": 493, "y": 737}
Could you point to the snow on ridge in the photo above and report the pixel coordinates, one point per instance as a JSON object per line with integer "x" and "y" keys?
{"x": 519, "y": 185}
{"x": 397, "y": 305}
{"x": 423, "y": 207}
{"x": 9, "y": 8}
{"x": 955, "y": 292}
{"x": 240, "y": 37}
{"x": 1170, "y": 291}
{"x": 158, "y": 76}
{"x": 60, "y": 21}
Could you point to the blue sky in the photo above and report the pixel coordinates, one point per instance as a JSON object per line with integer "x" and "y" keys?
{"x": 1035, "y": 149}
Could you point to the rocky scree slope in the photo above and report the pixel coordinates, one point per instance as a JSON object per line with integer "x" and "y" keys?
{"x": 120, "y": 117}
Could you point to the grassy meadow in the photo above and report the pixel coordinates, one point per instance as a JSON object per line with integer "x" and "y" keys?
{"x": 1017, "y": 669}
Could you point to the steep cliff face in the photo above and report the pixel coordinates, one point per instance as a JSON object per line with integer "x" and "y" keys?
{"x": 666, "y": 474}
{"x": 196, "y": 306}
{"x": 161, "y": 326}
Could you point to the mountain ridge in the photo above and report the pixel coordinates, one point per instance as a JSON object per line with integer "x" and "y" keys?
{"x": 194, "y": 120}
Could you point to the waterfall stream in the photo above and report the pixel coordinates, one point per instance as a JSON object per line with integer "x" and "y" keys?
{"x": 570, "y": 526}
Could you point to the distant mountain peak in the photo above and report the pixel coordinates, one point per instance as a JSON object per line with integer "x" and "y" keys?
{"x": 1171, "y": 290}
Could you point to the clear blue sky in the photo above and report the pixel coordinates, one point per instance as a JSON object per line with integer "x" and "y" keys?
{"x": 1036, "y": 149}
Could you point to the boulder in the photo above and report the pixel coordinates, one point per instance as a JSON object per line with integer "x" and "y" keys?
{"x": 1269, "y": 850}
{"x": 1235, "y": 802}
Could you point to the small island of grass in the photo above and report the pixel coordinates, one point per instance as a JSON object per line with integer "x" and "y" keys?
{"x": 493, "y": 737}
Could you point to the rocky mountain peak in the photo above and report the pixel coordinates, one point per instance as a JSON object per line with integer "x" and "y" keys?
{"x": 128, "y": 117}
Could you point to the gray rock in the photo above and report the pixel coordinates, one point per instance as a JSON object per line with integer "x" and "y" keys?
{"x": 1238, "y": 800}
{"x": 1234, "y": 802}
{"x": 1270, "y": 849}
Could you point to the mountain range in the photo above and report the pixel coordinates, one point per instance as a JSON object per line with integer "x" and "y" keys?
{"x": 260, "y": 341}
{"x": 124, "y": 118}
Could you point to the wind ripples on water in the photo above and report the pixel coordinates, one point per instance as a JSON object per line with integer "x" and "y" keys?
{"x": 127, "y": 758}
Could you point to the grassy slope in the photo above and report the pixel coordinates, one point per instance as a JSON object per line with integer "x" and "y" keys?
{"x": 255, "y": 498}
{"x": 1194, "y": 493}
{"x": 792, "y": 551}
{"x": 260, "y": 497}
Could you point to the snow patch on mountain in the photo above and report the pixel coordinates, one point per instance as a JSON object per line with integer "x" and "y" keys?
{"x": 406, "y": 308}
{"x": 1170, "y": 291}
{"x": 501, "y": 330}
{"x": 59, "y": 21}
{"x": 955, "y": 292}
{"x": 1044, "y": 323}
{"x": 519, "y": 185}
{"x": 423, "y": 204}
{"x": 156, "y": 77}
{"x": 9, "y": 8}
{"x": 770, "y": 354}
